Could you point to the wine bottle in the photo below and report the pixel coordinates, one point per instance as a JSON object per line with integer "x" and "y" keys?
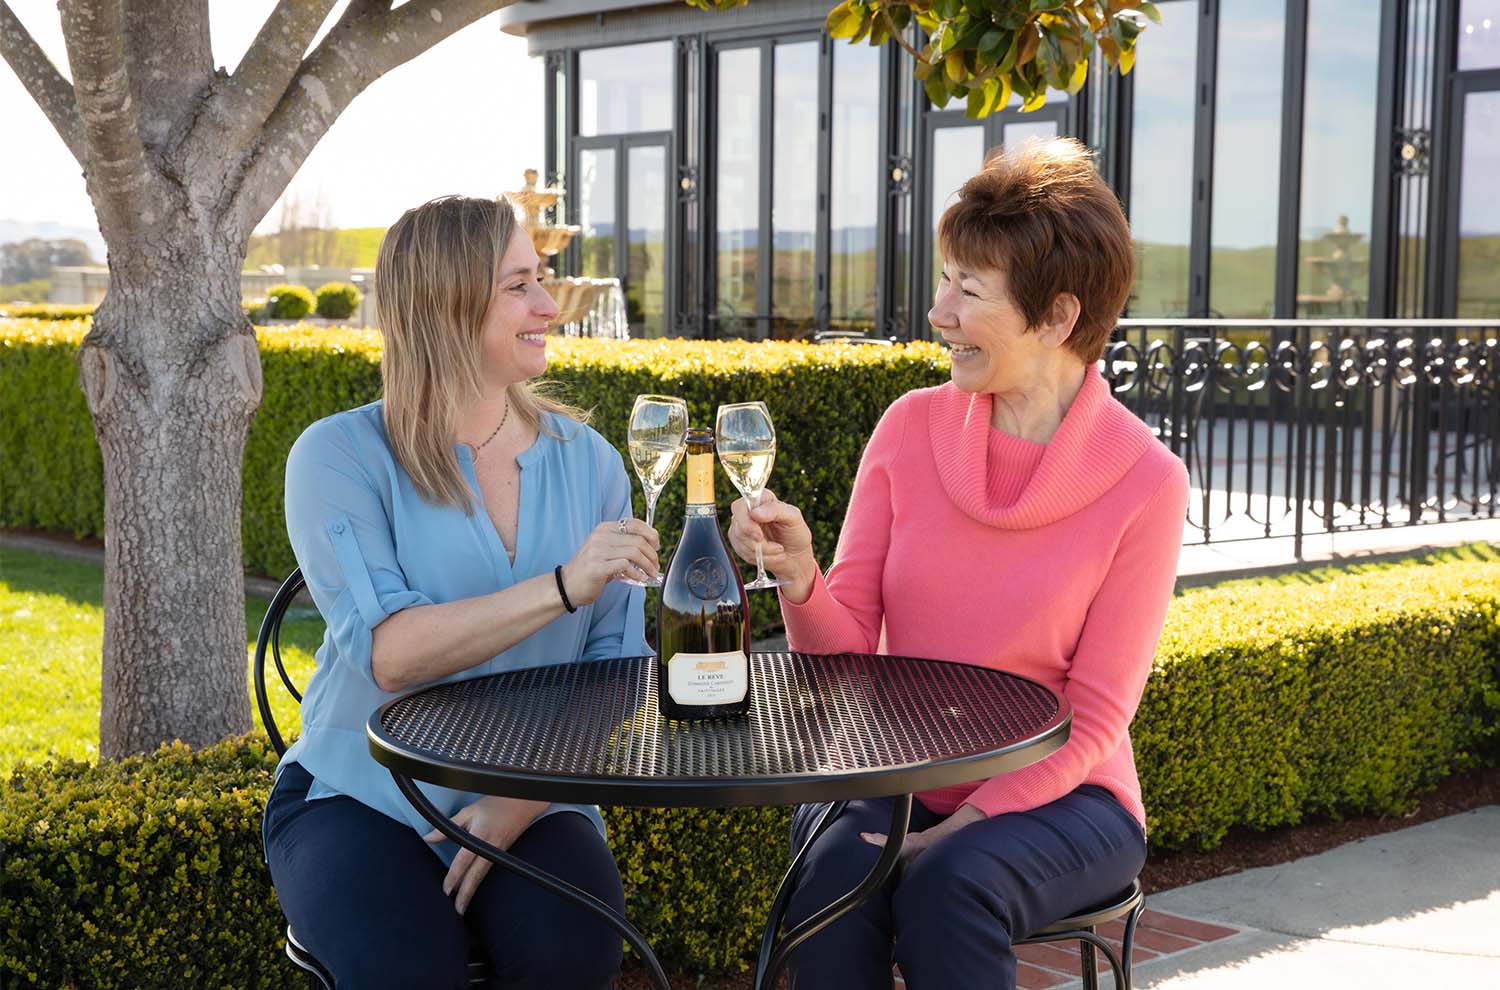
{"x": 703, "y": 619}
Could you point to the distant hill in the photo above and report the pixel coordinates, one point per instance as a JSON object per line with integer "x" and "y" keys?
{"x": 23, "y": 230}
{"x": 352, "y": 247}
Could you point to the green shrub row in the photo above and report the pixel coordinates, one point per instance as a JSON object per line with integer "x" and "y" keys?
{"x": 1267, "y": 704}
{"x": 825, "y": 400}
{"x": 46, "y": 311}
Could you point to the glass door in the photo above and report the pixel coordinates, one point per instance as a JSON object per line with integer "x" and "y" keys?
{"x": 622, "y": 210}
{"x": 1473, "y": 234}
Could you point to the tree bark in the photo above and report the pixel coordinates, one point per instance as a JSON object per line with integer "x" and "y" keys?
{"x": 172, "y": 377}
{"x": 181, "y": 163}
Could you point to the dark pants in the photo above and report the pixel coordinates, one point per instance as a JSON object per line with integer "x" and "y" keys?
{"x": 364, "y": 893}
{"x": 949, "y": 918}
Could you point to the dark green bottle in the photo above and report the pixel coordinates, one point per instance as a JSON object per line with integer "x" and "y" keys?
{"x": 703, "y": 619}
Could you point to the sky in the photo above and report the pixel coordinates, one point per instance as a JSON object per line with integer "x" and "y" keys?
{"x": 463, "y": 117}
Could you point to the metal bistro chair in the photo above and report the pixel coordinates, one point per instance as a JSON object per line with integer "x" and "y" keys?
{"x": 270, "y": 636}
{"x": 1083, "y": 927}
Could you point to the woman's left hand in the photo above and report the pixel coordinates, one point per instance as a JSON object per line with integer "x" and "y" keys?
{"x": 918, "y": 842}
{"x": 498, "y": 821}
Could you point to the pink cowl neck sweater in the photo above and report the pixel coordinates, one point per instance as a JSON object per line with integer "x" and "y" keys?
{"x": 1054, "y": 561}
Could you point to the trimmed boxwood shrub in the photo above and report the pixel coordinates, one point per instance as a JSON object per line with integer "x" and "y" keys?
{"x": 288, "y": 302}
{"x": 337, "y": 300}
{"x": 1267, "y": 703}
{"x": 825, "y": 400}
{"x": 46, "y": 311}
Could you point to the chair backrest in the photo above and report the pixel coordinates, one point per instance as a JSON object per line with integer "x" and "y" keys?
{"x": 270, "y": 635}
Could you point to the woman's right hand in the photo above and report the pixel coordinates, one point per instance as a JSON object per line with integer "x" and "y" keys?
{"x": 785, "y": 539}
{"x": 611, "y": 551}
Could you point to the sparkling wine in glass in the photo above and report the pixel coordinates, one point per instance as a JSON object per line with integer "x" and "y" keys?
{"x": 747, "y": 449}
{"x": 657, "y": 438}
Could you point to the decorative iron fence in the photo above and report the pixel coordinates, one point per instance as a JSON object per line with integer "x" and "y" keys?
{"x": 1291, "y": 427}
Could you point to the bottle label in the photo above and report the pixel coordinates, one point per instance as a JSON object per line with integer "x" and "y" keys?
{"x": 708, "y": 678}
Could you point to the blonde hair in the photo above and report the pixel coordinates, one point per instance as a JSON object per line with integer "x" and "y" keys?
{"x": 434, "y": 277}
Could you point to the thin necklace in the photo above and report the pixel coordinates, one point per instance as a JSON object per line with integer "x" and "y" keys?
{"x": 503, "y": 418}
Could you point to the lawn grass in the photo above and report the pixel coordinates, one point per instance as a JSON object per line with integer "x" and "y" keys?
{"x": 52, "y": 625}
{"x": 51, "y": 631}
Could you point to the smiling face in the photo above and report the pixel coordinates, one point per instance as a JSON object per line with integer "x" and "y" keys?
{"x": 993, "y": 349}
{"x": 513, "y": 340}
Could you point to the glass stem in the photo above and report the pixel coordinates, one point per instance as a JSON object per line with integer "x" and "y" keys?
{"x": 760, "y": 559}
{"x": 650, "y": 505}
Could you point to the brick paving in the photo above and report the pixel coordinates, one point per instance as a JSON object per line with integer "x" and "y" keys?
{"x": 1157, "y": 934}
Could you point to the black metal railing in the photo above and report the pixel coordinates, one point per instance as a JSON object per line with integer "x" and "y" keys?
{"x": 1291, "y": 427}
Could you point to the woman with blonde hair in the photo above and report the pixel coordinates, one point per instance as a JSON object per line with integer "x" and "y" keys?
{"x": 1017, "y": 517}
{"x": 462, "y": 525}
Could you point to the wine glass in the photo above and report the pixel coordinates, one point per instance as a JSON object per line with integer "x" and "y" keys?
{"x": 657, "y": 438}
{"x": 747, "y": 449}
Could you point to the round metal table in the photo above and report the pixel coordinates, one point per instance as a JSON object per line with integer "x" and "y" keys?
{"x": 820, "y": 728}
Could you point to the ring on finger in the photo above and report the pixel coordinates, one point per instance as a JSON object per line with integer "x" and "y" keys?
{"x": 622, "y": 526}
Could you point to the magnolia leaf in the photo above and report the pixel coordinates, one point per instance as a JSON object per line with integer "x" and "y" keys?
{"x": 1080, "y": 76}
{"x": 937, "y": 91}
{"x": 955, "y": 67}
{"x": 1031, "y": 40}
{"x": 1127, "y": 61}
{"x": 1149, "y": 9}
{"x": 993, "y": 40}
{"x": 844, "y": 21}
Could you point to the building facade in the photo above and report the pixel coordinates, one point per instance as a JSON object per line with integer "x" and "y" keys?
{"x": 748, "y": 177}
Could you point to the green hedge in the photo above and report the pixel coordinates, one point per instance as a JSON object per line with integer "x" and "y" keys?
{"x": 1268, "y": 703}
{"x": 46, "y": 311}
{"x": 146, "y": 874}
{"x": 825, "y": 399}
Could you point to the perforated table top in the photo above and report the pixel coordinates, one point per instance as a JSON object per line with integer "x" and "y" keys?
{"x": 820, "y": 728}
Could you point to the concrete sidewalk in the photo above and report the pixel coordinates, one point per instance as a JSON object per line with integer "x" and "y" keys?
{"x": 1415, "y": 908}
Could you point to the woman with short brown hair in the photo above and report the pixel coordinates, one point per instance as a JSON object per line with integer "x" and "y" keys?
{"x": 1017, "y": 517}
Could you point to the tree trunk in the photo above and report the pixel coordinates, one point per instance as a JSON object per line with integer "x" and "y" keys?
{"x": 172, "y": 376}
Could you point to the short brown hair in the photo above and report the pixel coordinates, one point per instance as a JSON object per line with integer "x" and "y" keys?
{"x": 1043, "y": 215}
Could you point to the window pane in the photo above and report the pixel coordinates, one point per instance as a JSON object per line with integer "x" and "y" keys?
{"x": 794, "y": 187}
{"x": 1019, "y": 132}
{"x": 596, "y": 212}
{"x": 646, "y": 206}
{"x": 957, "y": 153}
{"x": 737, "y": 190}
{"x": 1247, "y": 158}
{"x": 625, "y": 89}
{"x": 855, "y": 189}
{"x": 1479, "y": 208}
{"x": 1479, "y": 34}
{"x": 1338, "y": 159}
{"x": 1161, "y": 162}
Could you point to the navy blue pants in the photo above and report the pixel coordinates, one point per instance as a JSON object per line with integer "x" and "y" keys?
{"x": 949, "y": 917}
{"x": 364, "y": 893}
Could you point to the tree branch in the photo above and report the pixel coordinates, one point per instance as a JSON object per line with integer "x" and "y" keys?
{"x": 369, "y": 41}
{"x": 170, "y": 61}
{"x": 47, "y": 87}
{"x": 119, "y": 176}
{"x": 240, "y": 107}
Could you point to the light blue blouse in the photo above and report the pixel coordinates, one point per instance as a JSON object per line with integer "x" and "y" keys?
{"x": 369, "y": 546}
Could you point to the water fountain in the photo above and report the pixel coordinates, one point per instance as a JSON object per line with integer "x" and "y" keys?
{"x": 589, "y": 307}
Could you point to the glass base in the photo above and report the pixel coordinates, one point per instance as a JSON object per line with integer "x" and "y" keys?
{"x": 648, "y": 583}
{"x": 766, "y": 582}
